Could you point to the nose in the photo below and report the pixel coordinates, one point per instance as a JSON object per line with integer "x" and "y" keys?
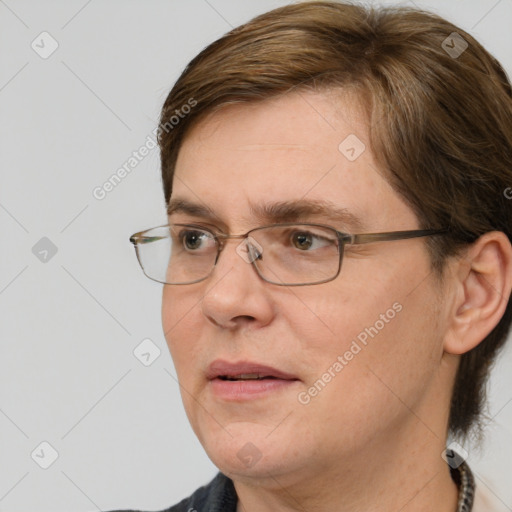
{"x": 236, "y": 295}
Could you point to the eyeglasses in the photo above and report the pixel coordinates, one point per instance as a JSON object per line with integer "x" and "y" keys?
{"x": 289, "y": 254}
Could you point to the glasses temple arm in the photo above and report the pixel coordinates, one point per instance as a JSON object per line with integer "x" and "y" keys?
{"x": 365, "y": 238}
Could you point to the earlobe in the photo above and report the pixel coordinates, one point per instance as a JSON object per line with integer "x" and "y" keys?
{"x": 484, "y": 282}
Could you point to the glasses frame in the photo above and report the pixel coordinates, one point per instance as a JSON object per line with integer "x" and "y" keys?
{"x": 140, "y": 238}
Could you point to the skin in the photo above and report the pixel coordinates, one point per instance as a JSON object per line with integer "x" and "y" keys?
{"x": 372, "y": 438}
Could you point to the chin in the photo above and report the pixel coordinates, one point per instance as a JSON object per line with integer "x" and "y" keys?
{"x": 266, "y": 467}
{"x": 249, "y": 452}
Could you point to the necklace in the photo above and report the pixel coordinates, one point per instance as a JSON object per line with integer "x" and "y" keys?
{"x": 463, "y": 477}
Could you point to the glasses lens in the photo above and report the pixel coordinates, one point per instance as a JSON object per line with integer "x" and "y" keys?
{"x": 177, "y": 254}
{"x": 297, "y": 254}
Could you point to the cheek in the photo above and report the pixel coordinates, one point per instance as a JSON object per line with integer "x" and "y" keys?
{"x": 329, "y": 321}
{"x": 356, "y": 391}
{"x": 180, "y": 320}
{"x": 381, "y": 343}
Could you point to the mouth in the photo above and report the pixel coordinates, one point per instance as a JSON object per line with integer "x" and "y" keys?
{"x": 246, "y": 376}
{"x": 242, "y": 381}
{"x": 245, "y": 370}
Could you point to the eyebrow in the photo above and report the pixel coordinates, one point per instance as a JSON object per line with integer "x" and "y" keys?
{"x": 274, "y": 213}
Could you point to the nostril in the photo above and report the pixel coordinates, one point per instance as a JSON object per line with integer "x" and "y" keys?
{"x": 233, "y": 323}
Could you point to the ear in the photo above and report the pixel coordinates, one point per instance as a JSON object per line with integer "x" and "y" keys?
{"x": 483, "y": 287}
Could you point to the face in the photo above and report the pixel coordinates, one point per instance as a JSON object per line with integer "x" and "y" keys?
{"x": 346, "y": 355}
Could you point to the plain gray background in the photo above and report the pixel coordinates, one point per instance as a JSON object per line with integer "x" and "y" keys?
{"x": 72, "y": 319}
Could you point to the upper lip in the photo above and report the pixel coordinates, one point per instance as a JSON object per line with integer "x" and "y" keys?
{"x": 221, "y": 368}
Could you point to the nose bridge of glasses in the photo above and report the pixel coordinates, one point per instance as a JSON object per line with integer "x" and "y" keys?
{"x": 248, "y": 248}
{"x": 243, "y": 249}
{"x": 246, "y": 239}
{"x": 225, "y": 236}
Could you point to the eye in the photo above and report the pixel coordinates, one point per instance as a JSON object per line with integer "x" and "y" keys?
{"x": 304, "y": 240}
{"x": 193, "y": 240}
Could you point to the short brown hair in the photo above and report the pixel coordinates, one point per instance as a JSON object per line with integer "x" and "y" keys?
{"x": 440, "y": 122}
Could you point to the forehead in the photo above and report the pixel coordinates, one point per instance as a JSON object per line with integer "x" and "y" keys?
{"x": 298, "y": 146}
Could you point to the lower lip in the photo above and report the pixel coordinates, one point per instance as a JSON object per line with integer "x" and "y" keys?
{"x": 239, "y": 390}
